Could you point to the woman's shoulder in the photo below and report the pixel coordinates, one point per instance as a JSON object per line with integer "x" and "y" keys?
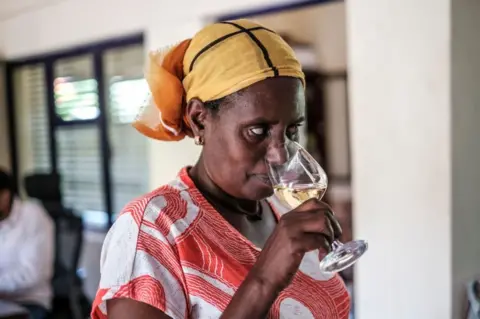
{"x": 164, "y": 202}
{"x": 162, "y": 215}
{"x": 140, "y": 255}
{"x": 141, "y": 220}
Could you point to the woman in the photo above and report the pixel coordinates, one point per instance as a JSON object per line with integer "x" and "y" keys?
{"x": 212, "y": 244}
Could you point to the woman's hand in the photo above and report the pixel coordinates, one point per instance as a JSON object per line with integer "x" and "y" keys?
{"x": 308, "y": 227}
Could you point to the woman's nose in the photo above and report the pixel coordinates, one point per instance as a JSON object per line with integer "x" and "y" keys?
{"x": 277, "y": 153}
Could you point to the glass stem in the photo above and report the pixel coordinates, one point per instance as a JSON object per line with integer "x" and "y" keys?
{"x": 336, "y": 244}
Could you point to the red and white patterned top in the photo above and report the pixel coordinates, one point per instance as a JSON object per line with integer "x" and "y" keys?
{"x": 172, "y": 250}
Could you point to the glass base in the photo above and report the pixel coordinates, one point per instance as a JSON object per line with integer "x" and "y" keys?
{"x": 343, "y": 256}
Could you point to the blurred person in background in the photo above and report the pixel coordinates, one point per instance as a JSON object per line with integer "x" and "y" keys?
{"x": 214, "y": 242}
{"x": 26, "y": 251}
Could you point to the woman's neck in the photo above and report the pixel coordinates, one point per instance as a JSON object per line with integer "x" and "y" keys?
{"x": 217, "y": 197}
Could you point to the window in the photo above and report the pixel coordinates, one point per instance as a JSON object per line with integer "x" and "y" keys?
{"x": 32, "y": 125}
{"x": 79, "y": 153}
{"x": 74, "y": 112}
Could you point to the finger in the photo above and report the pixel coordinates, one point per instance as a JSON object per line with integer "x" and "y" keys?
{"x": 326, "y": 245}
{"x": 315, "y": 221}
{"x": 337, "y": 229}
{"x": 331, "y": 232}
{"x": 312, "y": 221}
{"x": 313, "y": 241}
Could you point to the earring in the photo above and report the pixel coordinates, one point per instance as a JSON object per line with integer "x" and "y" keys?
{"x": 199, "y": 140}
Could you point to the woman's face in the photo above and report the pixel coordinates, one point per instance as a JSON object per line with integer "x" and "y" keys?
{"x": 248, "y": 129}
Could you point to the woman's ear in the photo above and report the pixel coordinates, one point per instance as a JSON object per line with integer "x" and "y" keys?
{"x": 196, "y": 116}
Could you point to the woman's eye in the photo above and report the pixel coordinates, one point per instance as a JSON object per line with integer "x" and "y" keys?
{"x": 258, "y": 131}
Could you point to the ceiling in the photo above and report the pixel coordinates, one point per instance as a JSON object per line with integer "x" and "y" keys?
{"x": 12, "y": 8}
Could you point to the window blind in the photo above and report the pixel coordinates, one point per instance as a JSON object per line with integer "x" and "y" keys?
{"x": 79, "y": 163}
{"x": 126, "y": 92}
{"x": 31, "y": 119}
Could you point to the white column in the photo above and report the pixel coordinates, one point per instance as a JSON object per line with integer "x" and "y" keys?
{"x": 415, "y": 112}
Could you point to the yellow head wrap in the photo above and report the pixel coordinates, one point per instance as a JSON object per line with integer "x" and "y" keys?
{"x": 221, "y": 59}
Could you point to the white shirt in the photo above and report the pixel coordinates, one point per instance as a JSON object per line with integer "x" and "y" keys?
{"x": 27, "y": 242}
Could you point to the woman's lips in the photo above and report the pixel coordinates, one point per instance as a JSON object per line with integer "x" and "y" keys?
{"x": 264, "y": 179}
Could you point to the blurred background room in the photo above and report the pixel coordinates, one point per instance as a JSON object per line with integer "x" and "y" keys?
{"x": 393, "y": 107}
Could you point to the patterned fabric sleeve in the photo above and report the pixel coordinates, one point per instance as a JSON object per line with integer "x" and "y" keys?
{"x": 139, "y": 262}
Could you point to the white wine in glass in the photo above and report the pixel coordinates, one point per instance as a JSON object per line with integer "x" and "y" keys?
{"x": 301, "y": 178}
{"x": 298, "y": 193}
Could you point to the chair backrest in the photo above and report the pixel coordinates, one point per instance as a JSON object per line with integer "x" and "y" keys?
{"x": 44, "y": 187}
{"x": 68, "y": 228}
{"x": 69, "y": 240}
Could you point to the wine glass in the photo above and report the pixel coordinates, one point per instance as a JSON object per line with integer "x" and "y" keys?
{"x": 301, "y": 178}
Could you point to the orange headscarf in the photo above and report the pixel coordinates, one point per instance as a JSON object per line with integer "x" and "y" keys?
{"x": 221, "y": 59}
